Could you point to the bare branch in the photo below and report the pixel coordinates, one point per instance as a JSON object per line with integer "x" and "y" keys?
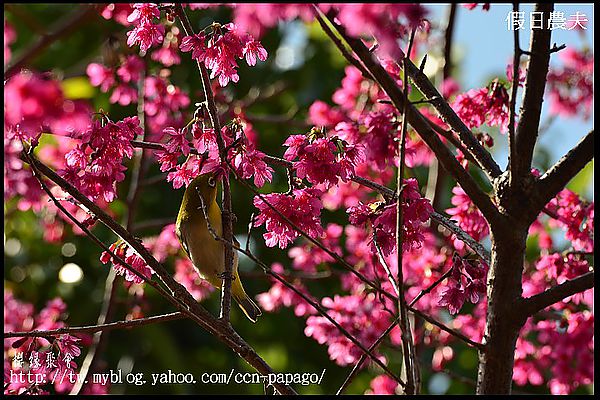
{"x": 410, "y": 360}
{"x": 534, "y": 304}
{"x": 557, "y": 177}
{"x": 103, "y": 327}
{"x": 533, "y": 96}
{"x": 362, "y": 359}
{"x": 513, "y": 98}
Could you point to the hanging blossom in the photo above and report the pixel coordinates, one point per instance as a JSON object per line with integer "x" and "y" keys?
{"x": 224, "y": 47}
{"x": 95, "y": 165}
{"x": 576, "y": 217}
{"x": 145, "y": 33}
{"x": 322, "y": 160}
{"x": 249, "y": 163}
{"x": 487, "y": 105}
{"x": 571, "y": 88}
{"x": 416, "y": 211}
{"x": 465, "y": 282}
{"x": 133, "y": 260}
{"x": 302, "y": 207}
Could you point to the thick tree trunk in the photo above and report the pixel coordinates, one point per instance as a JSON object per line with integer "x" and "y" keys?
{"x": 502, "y": 326}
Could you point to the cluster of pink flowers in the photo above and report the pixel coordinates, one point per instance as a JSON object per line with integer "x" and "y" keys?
{"x": 560, "y": 267}
{"x": 133, "y": 260}
{"x": 308, "y": 257}
{"x": 488, "y": 105}
{"x": 467, "y": 281}
{"x": 249, "y": 163}
{"x": 381, "y": 22}
{"x": 571, "y": 88}
{"x": 576, "y": 217}
{"x": 34, "y": 103}
{"x": 302, "y": 208}
{"x": 415, "y": 209}
{"x": 145, "y": 33}
{"x": 163, "y": 101}
{"x": 225, "y": 46}
{"x": 467, "y": 215}
{"x": 39, "y": 355}
{"x": 322, "y": 160}
{"x": 280, "y": 295}
{"x": 362, "y": 316}
{"x": 95, "y": 165}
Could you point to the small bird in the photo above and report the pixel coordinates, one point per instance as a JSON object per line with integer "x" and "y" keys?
{"x": 201, "y": 247}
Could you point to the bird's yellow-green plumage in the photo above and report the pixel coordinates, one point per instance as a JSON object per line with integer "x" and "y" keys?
{"x": 205, "y": 252}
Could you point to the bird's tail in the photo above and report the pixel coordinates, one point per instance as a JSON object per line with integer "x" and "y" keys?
{"x": 248, "y": 306}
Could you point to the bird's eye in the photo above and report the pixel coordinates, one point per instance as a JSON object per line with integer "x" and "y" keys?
{"x": 211, "y": 182}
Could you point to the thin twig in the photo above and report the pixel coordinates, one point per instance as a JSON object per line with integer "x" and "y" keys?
{"x": 410, "y": 361}
{"x": 362, "y": 359}
{"x": 429, "y": 288}
{"x": 96, "y": 328}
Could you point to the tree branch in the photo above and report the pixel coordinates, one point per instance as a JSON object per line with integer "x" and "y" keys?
{"x": 362, "y": 359}
{"x": 557, "y": 177}
{"x": 408, "y": 348}
{"x": 534, "y": 304}
{"x": 533, "y": 96}
{"x": 102, "y": 327}
{"x": 512, "y": 154}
